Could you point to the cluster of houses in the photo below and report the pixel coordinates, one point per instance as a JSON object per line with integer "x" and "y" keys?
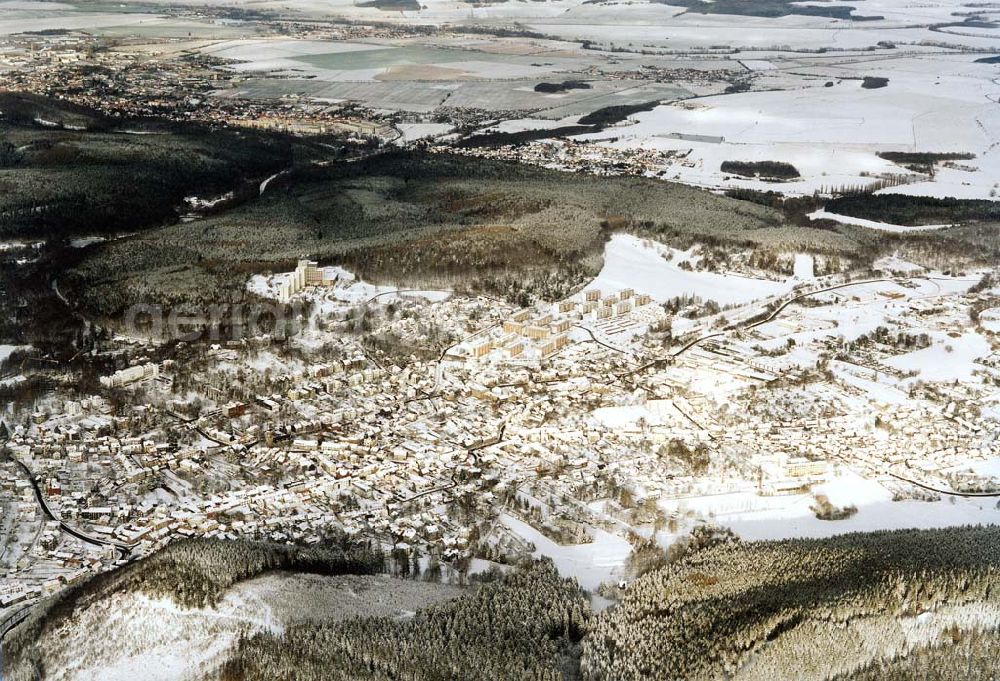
{"x": 385, "y": 448}
{"x": 131, "y": 82}
{"x": 577, "y": 155}
{"x": 532, "y": 334}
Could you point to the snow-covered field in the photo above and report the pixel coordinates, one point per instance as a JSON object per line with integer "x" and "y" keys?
{"x": 14, "y": 19}
{"x": 990, "y": 319}
{"x": 756, "y": 517}
{"x": 947, "y": 359}
{"x": 650, "y": 267}
{"x": 258, "y": 55}
{"x": 156, "y": 640}
{"x": 807, "y": 106}
{"x": 342, "y": 61}
{"x": 602, "y": 560}
{"x": 876, "y": 511}
{"x": 823, "y": 214}
{"x": 418, "y": 131}
{"x": 831, "y": 134}
{"x": 284, "y": 56}
{"x": 7, "y": 350}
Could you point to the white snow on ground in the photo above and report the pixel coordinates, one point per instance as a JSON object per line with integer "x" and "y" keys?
{"x": 12, "y": 22}
{"x": 947, "y": 359}
{"x": 797, "y": 520}
{"x": 601, "y": 560}
{"x": 879, "y": 387}
{"x": 860, "y": 309}
{"x": 850, "y": 318}
{"x": 156, "y": 639}
{"x": 989, "y": 468}
{"x": 266, "y": 54}
{"x": 85, "y": 241}
{"x": 756, "y": 517}
{"x": 443, "y": 11}
{"x": 665, "y": 25}
{"x": 18, "y": 245}
{"x": 832, "y": 135}
{"x": 871, "y": 224}
{"x": 160, "y": 638}
{"x": 318, "y": 59}
{"x": 630, "y": 262}
{"x": 195, "y": 202}
{"x": 779, "y": 126}
{"x": 990, "y": 319}
{"x": 266, "y": 181}
{"x": 805, "y": 266}
{"x": 850, "y": 489}
{"x": 418, "y": 131}
{"x": 521, "y": 124}
{"x": 672, "y": 27}
{"x": 893, "y": 264}
{"x": 653, "y": 413}
{"x": 7, "y": 350}
{"x": 617, "y": 417}
{"x": 29, "y": 5}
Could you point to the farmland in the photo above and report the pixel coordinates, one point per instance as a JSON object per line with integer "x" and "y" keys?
{"x": 788, "y": 84}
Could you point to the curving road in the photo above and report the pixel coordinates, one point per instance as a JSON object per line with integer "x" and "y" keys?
{"x": 771, "y": 317}
{"x": 937, "y": 490}
{"x": 781, "y": 308}
{"x": 13, "y": 619}
{"x": 124, "y": 550}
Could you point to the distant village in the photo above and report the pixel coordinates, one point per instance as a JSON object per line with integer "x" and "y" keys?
{"x": 134, "y": 78}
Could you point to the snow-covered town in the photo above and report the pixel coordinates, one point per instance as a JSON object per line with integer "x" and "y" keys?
{"x": 460, "y": 429}
{"x": 489, "y": 340}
